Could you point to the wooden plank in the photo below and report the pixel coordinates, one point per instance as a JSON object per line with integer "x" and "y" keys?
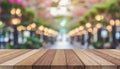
{"x": 117, "y": 51}
{"x": 109, "y": 53}
{"x": 59, "y": 61}
{"x": 114, "y": 52}
{"x": 45, "y": 61}
{"x": 1, "y": 50}
{"x": 88, "y": 62}
{"x": 28, "y": 62}
{"x": 104, "y": 63}
{"x": 10, "y": 64}
{"x": 8, "y": 53}
{"x": 12, "y": 55}
{"x": 107, "y": 57}
{"x": 73, "y": 62}
{"x": 5, "y": 51}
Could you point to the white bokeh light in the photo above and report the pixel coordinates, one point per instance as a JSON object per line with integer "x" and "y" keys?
{"x": 63, "y": 22}
{"x": 61, "y": 9}
{"x": 117, "y": 35}
{"x": 104, "y": 34}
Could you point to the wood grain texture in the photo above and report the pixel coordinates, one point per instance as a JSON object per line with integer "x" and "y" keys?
{"x": 73, "y": 61}
{"x": 117, "y": 51}
{"x": 28, "y": 62}
{"x": 109, "y": 53}
{"x": 113, "y": 52}
{"x": 88, "y": 62}
{"x": 8, "y": 53}
{"x": 45, "y": 61}
{"x": 104, "y": 63}
{"x": 4, "y": 51}
{"x": 10, "y": 64}
{"x": 107, "y": 57}
{"x": 59, "y": 59}
{"x": 12, "y": 55}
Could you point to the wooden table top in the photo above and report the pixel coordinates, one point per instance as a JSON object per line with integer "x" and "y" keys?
{"x": 59, "y": 59}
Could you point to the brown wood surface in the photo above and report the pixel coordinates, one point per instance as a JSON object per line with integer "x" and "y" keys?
{"x": 88, "y": 62}
{"x": 28, "y": 62}
{"x": 105, "y": 64}
{"x": 107, "y": 57}
{"x": 73, "y": 61}
{"x": 45, "y": 61}
{"x": 12, "y": 55}
{"x": 59, "y": 59}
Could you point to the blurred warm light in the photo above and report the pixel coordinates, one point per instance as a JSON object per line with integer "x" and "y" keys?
{"x": 109, "y": 28}
{"x": 28, "y": 28}
{"x": 77, "y": 34}
{"x": 117, "y": 22}
{"x": 46, "y": 29}
{"x": 77, "y": 30}
{"x": 99, "y": 17}
{"x": 95, "y": 30}
{"x": 20, "y": 28}
{"x": 1, "y": 22}
{"x": 80, "y": 33}
{"x": 20, "y": 14}
{"x": 33, "y": 25}
{"x": 50, "y": 31}
{"x": 84, "y": 32}
{"x": 45, "y": 33}
{"x": 16, "y": 21}
{"x": 18, "y": 11}
{"x": 81, "y": 27}
{"x": 38, "y": 32}
{"x": 99, "y": 25}
{"x": 112, "y": 22}
{"x": 70, "y": 33}
{"x": 13, "y": 11}
{"x": 90, "y": 30}
{"x": 41, "y": 28}
{"x": 88, "y": 25}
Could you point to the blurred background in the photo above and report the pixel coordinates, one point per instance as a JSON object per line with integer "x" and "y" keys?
{"x": 60, "y": 24}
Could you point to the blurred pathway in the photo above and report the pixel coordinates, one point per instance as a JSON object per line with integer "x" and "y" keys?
{"x": 64, "y": 45}
{"x": 60, "y": 45}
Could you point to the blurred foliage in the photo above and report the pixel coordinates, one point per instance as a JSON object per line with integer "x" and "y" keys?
{"x": 40, "y": 21}
{"x": 112, "y": 7}
{"x": 92, "y": 13}
{"x": 9, "y": 46}
{"x": 4, "y": 27}
{"x": 98, "y": 45}
{"x": 58, "y": 20}
{"x": 101, "y": 8}
{"x": 27, "y": 16}
{"x": 32, "y": 43}
{"x": 74, "y": 26}
{"x": 6, "y": 8}
{"x": 83, "y": 21}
